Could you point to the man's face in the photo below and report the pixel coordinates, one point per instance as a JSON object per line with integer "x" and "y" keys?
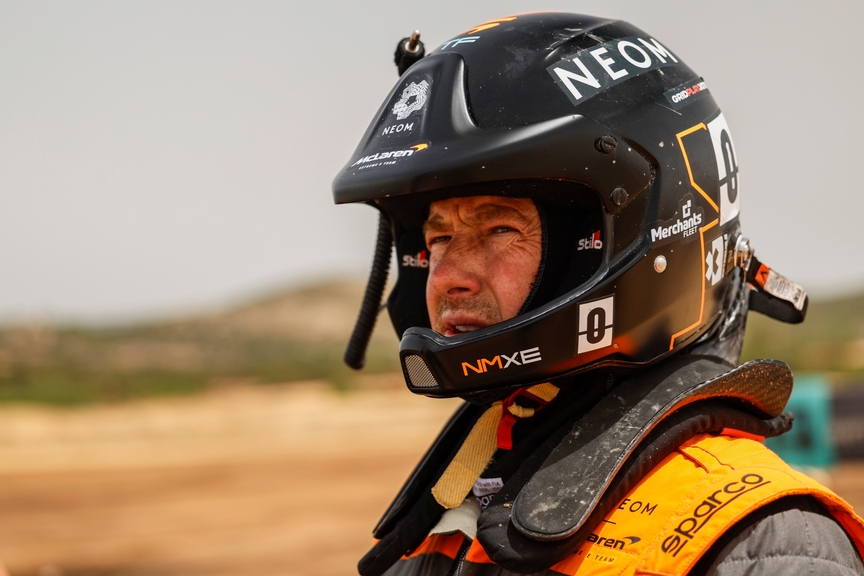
{"x": 484, "y": 253}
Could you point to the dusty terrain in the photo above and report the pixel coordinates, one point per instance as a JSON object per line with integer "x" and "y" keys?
{"x": 240, "y": 480}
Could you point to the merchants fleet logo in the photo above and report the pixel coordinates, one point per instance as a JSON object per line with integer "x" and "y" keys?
{"x": 592, "y": 70}
{"x": 593, "y": 242}
{"x": 518, "y": 358}
{"x": 684, "y": 225}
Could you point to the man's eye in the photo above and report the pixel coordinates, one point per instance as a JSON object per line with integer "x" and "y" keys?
{"x": 503, "y": 229}
{"x": 437, "y": 240}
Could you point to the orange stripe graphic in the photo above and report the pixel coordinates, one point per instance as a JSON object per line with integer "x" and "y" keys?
{"x": 702, "y": 302}
{"x": 680, "y": 136}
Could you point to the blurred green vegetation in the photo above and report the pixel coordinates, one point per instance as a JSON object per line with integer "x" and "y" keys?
{"x": 830, "y": 340}
{"x": 300, "y": 334}
{"x": 296, "y": 335}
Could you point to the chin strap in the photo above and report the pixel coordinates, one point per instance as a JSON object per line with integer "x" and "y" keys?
{"x": 771, "y": 294}
{"x": 493, "y": 430}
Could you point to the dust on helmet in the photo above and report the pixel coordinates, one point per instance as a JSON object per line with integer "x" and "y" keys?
{"x": 626, "y": 154}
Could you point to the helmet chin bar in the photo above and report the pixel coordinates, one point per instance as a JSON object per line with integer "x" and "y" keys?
{"x": 531, "y": 348}
{"x": 542, "y": 344}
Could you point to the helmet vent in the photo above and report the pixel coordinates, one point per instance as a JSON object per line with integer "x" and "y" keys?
{"x": 419, "y": 373}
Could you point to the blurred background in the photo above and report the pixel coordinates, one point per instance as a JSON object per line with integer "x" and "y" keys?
{"x": 177, "y": 287}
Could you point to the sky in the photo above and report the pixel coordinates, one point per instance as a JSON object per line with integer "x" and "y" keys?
{"x": 160, "y": 157}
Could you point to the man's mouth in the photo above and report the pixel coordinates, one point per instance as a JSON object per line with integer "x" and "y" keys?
{"x": 454, "y": 321}
{"x": 455, "y": 330}
{"x": 463, "y": 326}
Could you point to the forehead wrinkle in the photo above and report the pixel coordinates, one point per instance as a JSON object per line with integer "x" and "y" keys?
{"x": 472, "y": 215}
{"x": 487, "y": 212}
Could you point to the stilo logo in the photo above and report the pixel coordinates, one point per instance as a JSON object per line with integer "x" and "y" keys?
{"x": 593, "y": 242}
{"x": 420, "y": 260}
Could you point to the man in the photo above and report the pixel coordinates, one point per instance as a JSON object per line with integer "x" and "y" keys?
{"x": 562, "y": 192}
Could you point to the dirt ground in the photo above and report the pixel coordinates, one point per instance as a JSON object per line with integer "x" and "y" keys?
{"x": 242, "y": 480}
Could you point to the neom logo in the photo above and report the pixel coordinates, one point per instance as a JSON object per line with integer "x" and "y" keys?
{"x": 518, "y": 358}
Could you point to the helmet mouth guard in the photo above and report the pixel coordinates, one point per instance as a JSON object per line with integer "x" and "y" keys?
{"x": 531, "y": 348}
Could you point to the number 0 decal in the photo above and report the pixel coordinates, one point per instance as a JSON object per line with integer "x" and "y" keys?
{"x": 595, "y": 325}
{"x": 727, "y": 168}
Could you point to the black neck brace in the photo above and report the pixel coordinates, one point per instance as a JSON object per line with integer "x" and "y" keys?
{"x": 696, "y": 394}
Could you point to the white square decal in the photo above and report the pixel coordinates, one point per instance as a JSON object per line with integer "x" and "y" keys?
{"x": 595, "y": 325}
{"x": 727, "y": 169}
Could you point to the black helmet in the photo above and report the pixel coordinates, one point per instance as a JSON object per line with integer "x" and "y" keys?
{"x": 624, "y": 150}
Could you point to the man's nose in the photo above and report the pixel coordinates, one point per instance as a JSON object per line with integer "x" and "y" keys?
{"x": 455, "y": 272}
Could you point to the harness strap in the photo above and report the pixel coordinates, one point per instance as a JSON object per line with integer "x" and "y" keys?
{"x": 485, "y": 437}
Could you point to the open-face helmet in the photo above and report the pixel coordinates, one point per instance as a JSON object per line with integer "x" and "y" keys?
{"x": 629, "y": 160}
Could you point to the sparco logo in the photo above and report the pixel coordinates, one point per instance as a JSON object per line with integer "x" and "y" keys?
{"x": 684, "y": 225}
{"x": 419, "y": 260}
{"x": 517, "y": 359}
{"x": 705, "y": 510}
{"x": 413, "y": 98}
{"x": 593, "y": 242}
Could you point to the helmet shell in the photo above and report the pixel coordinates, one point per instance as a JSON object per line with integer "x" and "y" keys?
{"x": 586, "y": 113}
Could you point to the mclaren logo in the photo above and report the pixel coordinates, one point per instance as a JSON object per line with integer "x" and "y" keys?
{"x": 503, "y": 361}
{"x": 388, "y": 157}
{"x": 612, "y": 542}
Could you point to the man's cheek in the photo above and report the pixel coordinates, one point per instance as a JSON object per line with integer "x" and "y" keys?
{"x": 432, "y": 308}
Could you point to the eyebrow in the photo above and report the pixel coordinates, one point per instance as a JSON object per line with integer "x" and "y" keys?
{"x": 484, "y": 213}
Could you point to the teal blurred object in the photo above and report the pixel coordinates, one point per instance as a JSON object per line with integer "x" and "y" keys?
{"x": 811, "y": 440}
